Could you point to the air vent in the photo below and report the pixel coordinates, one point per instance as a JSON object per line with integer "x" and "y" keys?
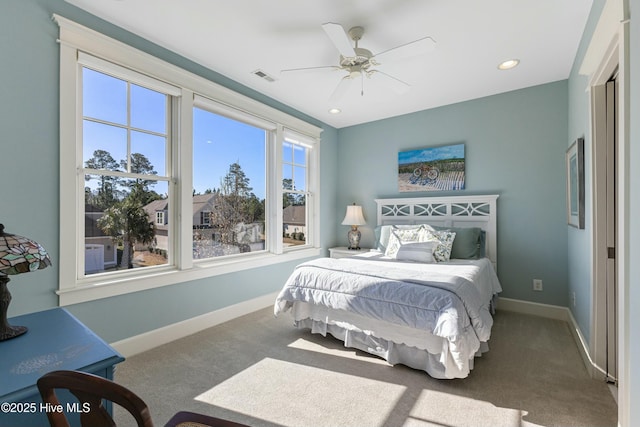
{"x": 264, "y": 75}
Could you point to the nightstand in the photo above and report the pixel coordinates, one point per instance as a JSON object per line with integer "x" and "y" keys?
{"x": 344, "y": 252}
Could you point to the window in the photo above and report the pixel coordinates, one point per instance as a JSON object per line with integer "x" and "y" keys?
{"x": 160, "y": 218}
{"x": 294, "y": 192}
{"x": 229, "y": 165}
{"x": 205, "y": 219}
{"x": 125, "y": 140}
{"x": 167, "y": 177}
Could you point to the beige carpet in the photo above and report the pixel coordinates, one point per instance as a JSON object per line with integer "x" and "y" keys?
{"x": 260, "y": 371}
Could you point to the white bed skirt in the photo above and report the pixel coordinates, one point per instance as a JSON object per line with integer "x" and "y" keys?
{"x": 393, "y": 343}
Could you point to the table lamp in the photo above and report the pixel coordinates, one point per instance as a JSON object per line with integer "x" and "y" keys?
{"x": 17, "y": 255}
{"x": 354, "y": 218}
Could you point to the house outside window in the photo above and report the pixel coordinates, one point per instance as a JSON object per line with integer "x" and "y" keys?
{"x": 155, "y": 161}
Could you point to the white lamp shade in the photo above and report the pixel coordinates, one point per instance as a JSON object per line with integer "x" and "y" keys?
{"x": 354, "y": 216}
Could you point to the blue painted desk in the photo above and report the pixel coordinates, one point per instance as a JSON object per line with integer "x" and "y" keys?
{"x": 55, "y": 340}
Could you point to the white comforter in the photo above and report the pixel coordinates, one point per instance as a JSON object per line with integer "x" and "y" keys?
{"x": 449, "y": 300}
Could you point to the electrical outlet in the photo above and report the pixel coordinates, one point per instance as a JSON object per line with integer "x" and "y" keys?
{"x": 573, "y": 298}
{"x": 537, "y": 284}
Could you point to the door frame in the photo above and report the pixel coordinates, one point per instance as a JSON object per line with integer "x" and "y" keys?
{"x": 599, "y": 125}
{"x": 610, "y": 47}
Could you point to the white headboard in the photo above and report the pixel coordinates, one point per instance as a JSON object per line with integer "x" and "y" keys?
{"x": 452, "y": 211}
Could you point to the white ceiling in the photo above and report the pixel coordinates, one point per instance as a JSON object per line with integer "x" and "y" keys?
{"x": 235, "y": 38}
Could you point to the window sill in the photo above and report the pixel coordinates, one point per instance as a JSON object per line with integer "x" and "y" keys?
{"x": 109, "y": 287}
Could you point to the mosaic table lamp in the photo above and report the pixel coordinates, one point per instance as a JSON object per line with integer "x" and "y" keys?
{"x": 354, "y": 218}
{"x": 17, "y": 255}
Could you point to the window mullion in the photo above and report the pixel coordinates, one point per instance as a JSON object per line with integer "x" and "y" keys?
{"x": 106, "y": 172}
{"x": 183, "y": 165}
{"x": 71, "y": 120}
{"x": 276, "y": 193}
{"x": 118, "y": 125}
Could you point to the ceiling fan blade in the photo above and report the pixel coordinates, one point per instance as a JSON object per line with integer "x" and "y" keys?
{"x": 407, "y": 50}
{"x": 311, "y": 69}
{"x": 341, "y": 89}
{"x": 339, "y": 38}
{"x": 397, "y": 85}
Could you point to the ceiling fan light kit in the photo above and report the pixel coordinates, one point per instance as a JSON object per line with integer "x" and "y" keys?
{"x": 359, "y": 63}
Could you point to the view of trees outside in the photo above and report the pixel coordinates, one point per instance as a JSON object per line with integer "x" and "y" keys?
{"x": 126, "y": 221}
{"x": 229, "y": 162}
{"x": 122, "y": 201}
{"x": 125, "y": 156}
{"x": 236, "y": 221}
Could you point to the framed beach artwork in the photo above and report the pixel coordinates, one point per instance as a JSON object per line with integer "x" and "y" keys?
{"x": 575, "y": 184}
{"x": 431, "y": 169}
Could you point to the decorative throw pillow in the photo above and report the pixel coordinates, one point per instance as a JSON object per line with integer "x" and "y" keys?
{"x": 383, "y": 234}
{"x": 444, "y": 243}
{"x": 467, "y": 242}
{"x": 418, "y": 252}
{"x": 397, "y": 237}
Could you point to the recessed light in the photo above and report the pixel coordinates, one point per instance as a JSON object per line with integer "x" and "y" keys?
{"x": 335, "y": 111}
{"x": 508, "y": 64}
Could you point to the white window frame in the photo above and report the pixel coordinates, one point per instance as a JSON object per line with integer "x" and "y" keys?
{"x": 76, "y": 40}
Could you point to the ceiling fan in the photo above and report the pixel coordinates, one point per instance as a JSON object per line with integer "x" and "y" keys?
{"x": 359, "y": 63}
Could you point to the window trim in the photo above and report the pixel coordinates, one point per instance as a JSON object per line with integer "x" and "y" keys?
{"x": 75, "y": 38}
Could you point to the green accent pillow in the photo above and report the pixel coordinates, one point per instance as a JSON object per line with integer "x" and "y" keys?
{"x": 467, "y": 242}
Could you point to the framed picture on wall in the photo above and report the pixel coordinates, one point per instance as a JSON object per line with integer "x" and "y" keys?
{"x": 431, "y": 169}
{"x": 575, "y": 184}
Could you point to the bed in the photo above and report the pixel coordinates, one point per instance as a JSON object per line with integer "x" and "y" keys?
{"x": 423, "y": 297}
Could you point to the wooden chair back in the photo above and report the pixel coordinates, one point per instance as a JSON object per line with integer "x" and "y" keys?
{"x": 90, "y": 390}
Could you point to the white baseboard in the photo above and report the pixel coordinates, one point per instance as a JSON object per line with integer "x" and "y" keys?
{"x": 543, "y": 310}
{"x": 157, "y": 337}
{"x": 558, "y": 313}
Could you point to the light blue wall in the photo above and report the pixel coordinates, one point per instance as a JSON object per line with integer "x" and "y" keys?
{"x": 514, "y": 146}
{"x": 579, "y": 241}
{"x": 29, "y": 196}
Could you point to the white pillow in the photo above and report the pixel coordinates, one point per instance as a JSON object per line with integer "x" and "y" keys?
{"x": 418, "y": 252}
{"x": 400, "y": 236}
{"x": 383, "y": 233}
